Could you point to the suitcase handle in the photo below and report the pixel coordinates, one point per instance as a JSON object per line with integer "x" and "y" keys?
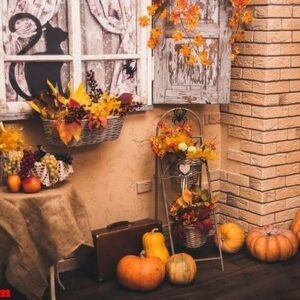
{"x": 118, "y": 224}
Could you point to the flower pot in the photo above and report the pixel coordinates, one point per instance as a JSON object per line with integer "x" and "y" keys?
{"x": 194, "y": 238}
{"x": 185, "y": 168}
{"x": 98, "y": 135}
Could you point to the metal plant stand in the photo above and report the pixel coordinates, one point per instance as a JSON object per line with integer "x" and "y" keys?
{"x": 163, "y": 176}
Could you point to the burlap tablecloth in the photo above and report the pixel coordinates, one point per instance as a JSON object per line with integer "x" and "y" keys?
{"x": 37, "y": 230}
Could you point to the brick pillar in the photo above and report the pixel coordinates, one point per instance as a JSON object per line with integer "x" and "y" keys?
{"x": 260, "y": 173}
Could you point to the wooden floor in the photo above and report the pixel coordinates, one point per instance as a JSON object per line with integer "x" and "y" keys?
{"x": 243, "y": 278}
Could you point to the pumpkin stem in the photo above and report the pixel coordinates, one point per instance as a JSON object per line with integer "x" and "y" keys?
{"x": 143, "y": 254}
{"x": 154, "y": 230}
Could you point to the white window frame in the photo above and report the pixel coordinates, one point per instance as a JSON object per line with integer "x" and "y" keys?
{"x": 21, "y": 110}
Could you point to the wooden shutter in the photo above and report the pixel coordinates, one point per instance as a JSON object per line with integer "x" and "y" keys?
{"x": 175, "y": 82}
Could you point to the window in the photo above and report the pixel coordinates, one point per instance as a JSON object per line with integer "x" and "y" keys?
{"x": 60, "y": 40}
{"x": 176, "y": 82}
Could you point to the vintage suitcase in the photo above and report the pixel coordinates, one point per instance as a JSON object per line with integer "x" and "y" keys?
{"x": 114, "y": 242}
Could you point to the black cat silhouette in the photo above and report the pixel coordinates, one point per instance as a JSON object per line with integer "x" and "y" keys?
{"x": 37, "y": 73}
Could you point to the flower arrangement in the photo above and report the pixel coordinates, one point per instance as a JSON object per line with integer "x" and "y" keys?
{"x": 20, "y": 161}
{"x": 50, "y": 168}
{"x": 192, "y": 208}
{"x": 178, "y": 140}
{"x": 11, "y": 139}
{"x": 79, "y": 107}
{"x": 184, "y": 15}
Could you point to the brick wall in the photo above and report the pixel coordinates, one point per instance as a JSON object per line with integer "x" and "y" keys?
{"x": 261, "y": 126}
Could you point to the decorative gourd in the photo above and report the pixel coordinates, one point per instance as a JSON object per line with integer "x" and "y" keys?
{"x": 295, "y": 227}
{"x": 271, "y": 244}
{"x": 140, "y": 273}
{"x": 232, "y": 237}
{"x": 154, "y": 245}
{"x": 181, "y": 269}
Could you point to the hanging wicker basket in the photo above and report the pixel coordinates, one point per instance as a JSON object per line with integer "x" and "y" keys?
{"x": 98, "y": 135}
{"x": 185, "y": 168}
{"x": 194, "y": 238}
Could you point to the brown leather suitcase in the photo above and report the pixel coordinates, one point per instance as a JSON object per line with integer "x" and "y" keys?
{"x": 114, "y": 242}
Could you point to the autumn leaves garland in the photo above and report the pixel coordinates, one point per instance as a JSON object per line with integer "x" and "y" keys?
{"x": 185, "y": 18}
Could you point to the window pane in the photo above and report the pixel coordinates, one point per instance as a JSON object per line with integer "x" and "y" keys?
{"x": 116, "y": 77}
{"x": 41, "y": 29}
{"x": 108, "y": 27}
{"x": 30, "y": 78}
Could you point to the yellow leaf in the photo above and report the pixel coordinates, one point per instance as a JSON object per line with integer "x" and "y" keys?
{"x": 53, "y": 89}
{"x": 80, "y": 96}
{"x": 34, "y": 106}
{"x": 67, "y": 132}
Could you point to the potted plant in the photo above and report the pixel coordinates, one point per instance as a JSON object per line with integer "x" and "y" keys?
{"x": 176, "y": 146}
{"x": 82, "y": 117}
{"x": 191, "y": 216}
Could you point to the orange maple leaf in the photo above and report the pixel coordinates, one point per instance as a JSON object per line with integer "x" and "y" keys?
{"x": 68, "y": 131}
{"x": 175, "y": 17}
{"x": 144, "y": 21}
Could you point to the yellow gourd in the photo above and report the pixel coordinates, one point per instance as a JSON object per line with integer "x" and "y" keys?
{"x": 154, "y": 245}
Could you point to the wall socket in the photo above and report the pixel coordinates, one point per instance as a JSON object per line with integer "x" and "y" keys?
{"x": 143, "y": 186}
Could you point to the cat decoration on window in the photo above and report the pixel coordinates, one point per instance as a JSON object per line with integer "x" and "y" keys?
{"x": 37, "y": 73}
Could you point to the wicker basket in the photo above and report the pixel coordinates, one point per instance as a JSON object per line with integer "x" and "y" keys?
{"x": 98, "y": 135}
{"x": 192, "y": 175}
{"x": 194, "y": 238}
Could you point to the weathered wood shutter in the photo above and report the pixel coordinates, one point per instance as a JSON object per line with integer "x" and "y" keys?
{"x": 175, "y": 82}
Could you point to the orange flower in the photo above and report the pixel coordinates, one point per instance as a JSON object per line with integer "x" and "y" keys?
{"x": 177, "y": 35}
{"x": 204, "y": 58}
{"x": 192, "y": 60}
{"x": 247, "y": 17}
{"x": 191, "y": 23}
{"x": 152, "y": 43}
{"x": 192, "y": 12}
{"x": 175, "y": 17}
{"x": 152, "y": 9}
{"x": 185, "y": 50}
{"x": 144, "y": 21}
{"x": 199, "y": 40}
{"x": 156, "y": 33}
{"x": 163, "y": 14}
{"x": 181, "y": 4}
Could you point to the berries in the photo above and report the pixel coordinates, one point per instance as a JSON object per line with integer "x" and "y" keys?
{"x": 75, "y": 114}
{"x": 27, "y": 163}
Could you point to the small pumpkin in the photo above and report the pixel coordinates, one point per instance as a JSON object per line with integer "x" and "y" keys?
{"x": 271, "y": 243}
{"x": 140, "y": 273}
{"x": 295, "y": 227}
{"x": 232, "y": 237}
{"x": 181, "y": 269}
{"x": 154, "y": 245}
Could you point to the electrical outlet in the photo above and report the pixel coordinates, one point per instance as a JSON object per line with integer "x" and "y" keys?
{"x": 143, "y": 186}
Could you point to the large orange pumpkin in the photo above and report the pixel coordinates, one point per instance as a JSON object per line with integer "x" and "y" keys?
{"x": 181, "y": 269}
{"x": 232, "y": 237}
{"x": 271, "y": 244}
{"x": 140, "y": 273}
{"x": 295, "y": 227}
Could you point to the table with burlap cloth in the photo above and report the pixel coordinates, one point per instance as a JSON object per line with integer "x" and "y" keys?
{"x": 36, "y": 231}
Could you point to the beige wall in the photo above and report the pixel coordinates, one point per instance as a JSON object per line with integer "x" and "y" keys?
{"x": 106, "y": 174}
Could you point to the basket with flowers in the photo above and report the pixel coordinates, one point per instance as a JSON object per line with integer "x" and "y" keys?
{"x": 23, "y": 166}
{"x": 176, "y": 146}
{"x": 82, "y": 117}
{"x": 191, "y": 213}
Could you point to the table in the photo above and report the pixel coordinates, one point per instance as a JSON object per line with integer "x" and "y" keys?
{"x": 37, "y": 230}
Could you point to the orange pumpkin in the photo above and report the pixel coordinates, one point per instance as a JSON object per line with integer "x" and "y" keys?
{"x": 295, "y": 227}
{"x": 232, "y": 237}
{"x": 181, "y": 269}
{"x": 271, "y": 244}
{"x": 140, "y": 273}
